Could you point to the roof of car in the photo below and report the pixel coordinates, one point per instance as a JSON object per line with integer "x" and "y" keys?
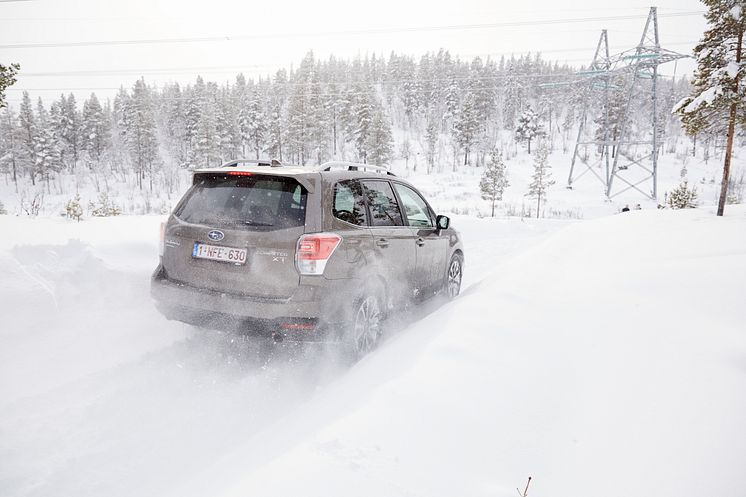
{"x": 304, "y": 174}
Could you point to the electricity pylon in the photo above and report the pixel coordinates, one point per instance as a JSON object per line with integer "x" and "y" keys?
{"x": 637, "y": 68}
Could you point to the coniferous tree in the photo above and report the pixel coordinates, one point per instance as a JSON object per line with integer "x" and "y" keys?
{"x": 7, "y": 78}
{"x": 252, "y": 122}
{"x": 494, "y": 179}
{"x": 139, "y": 131}
{"x": 229, "y": 139}
{"x": 364, "y": 110}
{"x": 277, "y": 119}
{"x": 528, "y": 128}
{"x": 542, "y": 177}
{"x": 174, "y": 124}
{"x": 47, "y": 157}
{"x": 467, "y": 125}
{"x": 206, "y": 142}
{"x": 682, "y": 197}
{"x": 11, "y": 150}
{"x": 27, "y": 136}
{"x": 95, "y": 131}
{"x": 718, "y": 96}
{"x": 431, "y": 138}
{"x": 380, "y": 142}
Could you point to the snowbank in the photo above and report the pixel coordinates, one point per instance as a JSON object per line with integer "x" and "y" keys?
{"x": 609, "y": 360}
{"x": 602, "y": 357}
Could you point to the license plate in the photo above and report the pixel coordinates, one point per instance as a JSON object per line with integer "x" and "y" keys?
{"x": 217, "y": 253}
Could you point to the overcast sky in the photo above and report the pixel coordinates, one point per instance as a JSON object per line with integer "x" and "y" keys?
{"x": 277, "y": 34}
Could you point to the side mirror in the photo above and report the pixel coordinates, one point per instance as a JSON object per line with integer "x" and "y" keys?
{"x": 443, "y": 222}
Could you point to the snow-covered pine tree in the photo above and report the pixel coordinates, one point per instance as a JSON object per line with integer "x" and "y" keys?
{"x": 301, "y": 109}
{"x": 277, "y": 117}
{"x": 172, "y": 122}
{"x": 27, "y": 136}
{"x": 252, "y": 122}
{"x": 47, "y": 159}
{"x": 139, "y": 130}
{"x": 542, "y": 177}
{"x": 513, "y": 93}
{"x": 11, "y": 149}
{"x": 195, "y": 101}
{"x": 528, "y": 128}
{"x": 206, "y": 142}
{"x": 73, "y": 208}
{"x": 65, "y": 126}
{"x": 320, "y": 132}
{"x": 364, "y": 108}
{"x": 227, "y": 126}
{"x": 467, "y": 125}
{"x": 451, "y": 101}
{"x": 432, "y": 136}
{"x": 380, "y": 142}
{"x": 682, "y": 197}
{"x": 494, "y": 179}
{"x": 410, "y": 88}
{"x": 7, "y": 78}
{"x": 71, "y": 131}
{"x": 719, "y": 93}
{"x": 95, "y": 131}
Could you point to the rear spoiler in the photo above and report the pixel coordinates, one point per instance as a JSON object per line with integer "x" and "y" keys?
{"x": 308, "y": 183}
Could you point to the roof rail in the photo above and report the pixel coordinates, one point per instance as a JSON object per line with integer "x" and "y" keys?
{"x": 354, "y": 166}
{"x": 254, "y": 162}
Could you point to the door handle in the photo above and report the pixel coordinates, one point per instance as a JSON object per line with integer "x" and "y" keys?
{"x": 382, "y": 242}
{"x": 420, "y": 242}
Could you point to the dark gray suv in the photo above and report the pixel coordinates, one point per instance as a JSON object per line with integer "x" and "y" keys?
{"x": 303, "y": 253}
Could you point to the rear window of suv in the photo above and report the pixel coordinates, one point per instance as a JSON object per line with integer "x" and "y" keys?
{"x": 251, "y": 202}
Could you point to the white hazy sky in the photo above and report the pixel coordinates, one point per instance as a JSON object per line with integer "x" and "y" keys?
{"x": 278, "y": 34}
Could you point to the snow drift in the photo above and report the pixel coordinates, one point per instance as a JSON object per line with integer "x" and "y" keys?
{"x": 606, "y": 359}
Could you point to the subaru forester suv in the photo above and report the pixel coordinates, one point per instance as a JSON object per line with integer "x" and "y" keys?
{"x": 320, "y": 254}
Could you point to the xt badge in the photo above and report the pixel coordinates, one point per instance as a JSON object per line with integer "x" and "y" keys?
{"x": 276, "y": 255}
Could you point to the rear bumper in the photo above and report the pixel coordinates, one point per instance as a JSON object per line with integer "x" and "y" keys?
{"x": 312, "y": 313}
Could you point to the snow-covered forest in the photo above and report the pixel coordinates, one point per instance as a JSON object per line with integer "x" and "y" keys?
{"x": 435, "y": 114}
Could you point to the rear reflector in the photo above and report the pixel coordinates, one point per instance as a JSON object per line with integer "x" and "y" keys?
{"x": 314, "y": 251}
{"x": 297, "y": 326}
{"x": 163, "y": 239}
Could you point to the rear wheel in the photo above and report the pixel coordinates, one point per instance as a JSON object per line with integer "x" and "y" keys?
{"x": 367, "y": 325}
{"x": 454, "y": 275}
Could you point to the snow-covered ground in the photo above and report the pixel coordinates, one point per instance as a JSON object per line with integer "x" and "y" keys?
{"x": 601, "y": 357}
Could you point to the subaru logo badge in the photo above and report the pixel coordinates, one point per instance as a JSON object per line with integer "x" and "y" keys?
{"x": 215, "y": 235}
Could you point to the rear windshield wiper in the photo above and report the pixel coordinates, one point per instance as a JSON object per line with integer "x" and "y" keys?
{"x": 257, "y": 223}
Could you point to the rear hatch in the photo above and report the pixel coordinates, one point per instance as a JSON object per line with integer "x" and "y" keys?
{"x": 236, "y": 232}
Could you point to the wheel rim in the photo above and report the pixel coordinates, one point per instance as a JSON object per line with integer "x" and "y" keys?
{"x": 454, "y": 277}
{"x": 367, "y": 325}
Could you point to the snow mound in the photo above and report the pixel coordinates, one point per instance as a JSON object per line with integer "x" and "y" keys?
{"x": 605, "y": 361}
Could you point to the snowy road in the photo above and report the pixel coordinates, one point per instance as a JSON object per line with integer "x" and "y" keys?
{"x": 99, "y": 395}
{"x": 601, "y": 357}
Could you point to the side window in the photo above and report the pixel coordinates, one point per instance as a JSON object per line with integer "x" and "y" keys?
{"x": 349, "y": 205}
{"x": 384, "y": 209}
{"x": 415, "y": 208}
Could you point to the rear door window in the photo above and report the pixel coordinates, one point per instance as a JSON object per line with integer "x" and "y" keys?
{"x": 384, "y": 209}
{"x": 251, "y": 202}
{"x": 349, "y": 204}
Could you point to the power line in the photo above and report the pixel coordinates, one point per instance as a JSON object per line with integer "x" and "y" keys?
{"x": 241, "y": 68}
{"x": 373, "y": 31}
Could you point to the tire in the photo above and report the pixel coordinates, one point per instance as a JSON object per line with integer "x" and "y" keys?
{"x": 454, "y": 274}
{"x": 366, "y": 326}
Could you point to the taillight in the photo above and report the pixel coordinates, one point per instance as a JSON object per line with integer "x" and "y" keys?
{"x": 239, "y": 173}
{"x": 314, "y": 251}
{"x": 163, "y": 239}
